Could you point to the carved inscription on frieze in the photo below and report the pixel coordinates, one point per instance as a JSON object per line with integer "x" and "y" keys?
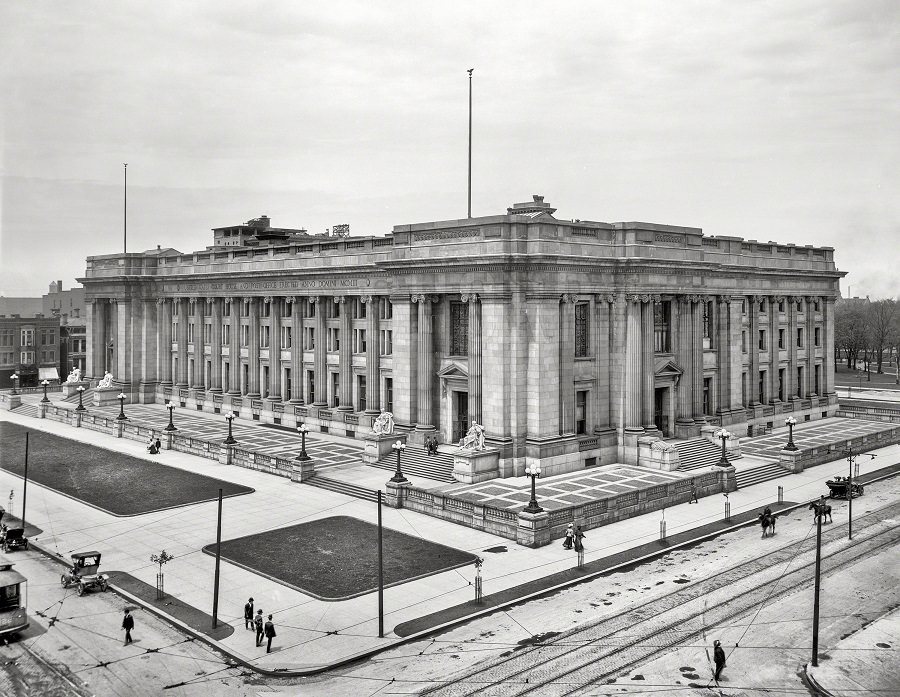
{"x": 296, "y": 284}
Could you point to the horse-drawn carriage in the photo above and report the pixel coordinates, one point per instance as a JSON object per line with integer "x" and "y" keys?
{"x": 842, "y": 488}
{"x": 84, "y": 572}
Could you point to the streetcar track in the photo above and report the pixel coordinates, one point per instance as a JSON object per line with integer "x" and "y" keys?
{"x": 576, "y": 651}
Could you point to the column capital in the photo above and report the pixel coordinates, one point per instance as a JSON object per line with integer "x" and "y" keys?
{"x": 313, "y": 299}
{"x": 608, "y": 298}
{"x": 289, "y": 299}
{"x": 423, "y": 298}
{"x": 568, "y": 298}
{"x": 366, "y": 299}
{"x": 795, "y": 299}
{"x": 267, "y": 299}
{"x": 248, "y": 299}
{"x": 469, "y": 297}
{"x": 339, "y": 299}
{"x": 656, "y": 299}
{"x": 723, "y": 299}
{"x": 159, "y": 301}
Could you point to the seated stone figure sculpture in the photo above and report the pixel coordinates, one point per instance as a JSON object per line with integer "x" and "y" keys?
{"x": 74, "y": 376}
{"x": 474, "y": 438}
{"x": 107, "y": 380}
{"x": 383, "y": 425}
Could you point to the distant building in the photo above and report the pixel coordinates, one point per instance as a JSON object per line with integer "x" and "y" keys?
{"x": 68, "y": 306}
{"x": 29, "y": 347}
{"x": 572, "y": 342}
{"x": 25, "y": 307}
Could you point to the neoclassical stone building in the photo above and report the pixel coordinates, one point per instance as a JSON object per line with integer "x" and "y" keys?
{"x": 568, "y": 340}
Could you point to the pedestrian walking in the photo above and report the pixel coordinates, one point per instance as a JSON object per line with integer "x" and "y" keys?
{"x": 248, "y": 614}
{"x": 693, "y": 493}
{"x": 719, "y": 658}
{"x": 127, "y": 625}
{"x": 158, "y": 445}
{"x": 270, "y": 633}
{"x": 570, "y": 532}
{"x": 258, "y": 623}
{"x": 579, "y": 547}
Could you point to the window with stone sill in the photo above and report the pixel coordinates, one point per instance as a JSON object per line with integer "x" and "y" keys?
{"x": 334, "y": 339}
{"x": 662, "y": 327}
{"x": 582, "y": 329}
{"x": 386, "y": 345}
{"x": 385, "y": 308}
{"x": 459, "y": 329}
{"x": 309, "y": 338}
{"x": 264, "y": 336}
{"x": 286, "y": 337}
{"x": 309, "y": 309}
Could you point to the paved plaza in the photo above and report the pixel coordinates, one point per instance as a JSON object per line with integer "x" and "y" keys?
{"x": 815, "y": 434}
{"x": 313, "y": 632}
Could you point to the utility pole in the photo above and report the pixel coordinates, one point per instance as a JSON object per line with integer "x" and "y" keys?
{"x": 215, "y": 617}
{"x": 815, "y": 637}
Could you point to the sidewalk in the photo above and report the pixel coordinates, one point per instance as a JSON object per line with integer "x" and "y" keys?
{"x": 313, "y": 634}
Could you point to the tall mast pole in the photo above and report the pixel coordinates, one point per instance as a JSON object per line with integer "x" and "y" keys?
{"x": 125, "y": 211}
{"x": 470, "y": 141}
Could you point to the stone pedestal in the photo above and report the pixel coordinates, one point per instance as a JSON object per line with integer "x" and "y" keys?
{"x": 106, "y": 396}
{"x": 71, "y": 388}
{"x": 656, "y": 453}
{"x": 378, "y": 446}
{"x": 395, "y": 493}
{"x": 473, "y": 466}
{"x": 11, "y": 401}
{"x": 790, "y": 460}
{"x": 533, "y": 529}
{"x": 727, "y": 478}
{"x": 225, "y": 454}
{"x": 167, "y": 440}
{"x": 42, "y": 409}
{"x": 301, "y": 470}
{"x": 120, "y": 429}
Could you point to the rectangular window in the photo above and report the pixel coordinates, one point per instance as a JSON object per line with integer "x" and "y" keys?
{"x": 245, "y": 335}
{"x": 743, "y": 342}
{"x": 743, "y": 307}
{"x": 799, "y": 306}
{"x": 800, "y": 337}
{"x": 386, "y": 346}
{"x": 762, "y": 307}
{"x": 817, "y": 377}
{"x": 816, "y": 306}
{"x": 207, "y": 333}
{"x": 707, "y": 395}
{"x": 335, "y": 389}
{"x": 707, "y": 325}
{"x": 288, "y": 387}
{"x": 762, "y": 339}
{"x": 359, "y": 341}
{"x": 226, "y": 310}
{"x": 385, "y": 309}
{"x": 26, "y": 357}
{"x": 264, "y": 336}
{"x": 361, "y": 392}
{"x": 333, "y": 311}
{"x": 781, "y": 338}
{"x": 334, "y": 339}
{"x": 781, "y": 305}
{"x": 287, "y": 308}
{"x": 309, "y": 338}
{"x": 359, "y": 309}
{"x": 190, "y": 332}
{"x": 6, "y": 337}
{"x": 459, "y": 329}
{"x": 266, "y": 309}
{"x": 581, "y": 411}
{"x": 799, "y": 390}
{"x": 744, "y": 389}
{"x": 581, "y": 330}
{"x": 226, "y": 334}
{"x": 389, "y": 394}
{"x": 286, "y": 337}
{"x": 309, "y": 309}
{"x": 310, "y": 386}
{"x": 818, "y": 336}
{"x": 27, "y": 337}
{"x": 781, "y": 384}
{"x": 762, "y": 386}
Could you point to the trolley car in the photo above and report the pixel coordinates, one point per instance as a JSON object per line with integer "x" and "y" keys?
{"x": 13, "y": 618}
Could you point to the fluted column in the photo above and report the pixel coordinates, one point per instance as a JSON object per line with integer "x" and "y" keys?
{"x": 320, "y": 357}
{"x": 215, "y": 347}
{"x": 648, "y": 372}
{"x": 723, "y": 348}
{"x": 774, "y": 351}
{"x": 683, "y": 357}
{"x": 425, "y": 363}
{"x": 373, "y": 357}
{"x": 475, "y": 357}
{"x": 253, "y": 348}
{"x": 828, "y": 346}
{"x": 274, "y": 348}
{"x": 195, "y": 347}
{"x": 100, "y": 337}
{"x": 794, "y": 390}
{"x": 633, "y": 346}
{"x": 566, "y": 363}
{"x": 164, "y": 341}
{"x": 345, "y": 354}
{"x": 181, "y": 341}
{"x": 698, "y": 307}
{"x": 809, "y": 305}
{"x": 753, "y": 348}
{"x": 296, "y": 350}
{"x": 234, "y": 346}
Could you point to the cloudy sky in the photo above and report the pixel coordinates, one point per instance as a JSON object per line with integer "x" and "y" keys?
{"x": 765, "y": 120}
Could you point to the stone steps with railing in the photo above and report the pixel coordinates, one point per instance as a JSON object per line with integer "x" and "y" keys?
{"x": 415, "y": 461}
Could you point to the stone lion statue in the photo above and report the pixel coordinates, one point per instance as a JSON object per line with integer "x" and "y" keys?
{"x": 383, "y": 425}
{"x": 474, "y": 438}
{"x": 107, "y": 380}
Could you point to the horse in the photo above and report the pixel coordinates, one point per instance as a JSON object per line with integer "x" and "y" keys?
{"x": 767, "y": 522}
{"x": 823, "y": 509}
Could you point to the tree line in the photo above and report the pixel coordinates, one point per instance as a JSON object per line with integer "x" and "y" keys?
{"x": 867, "y": 330}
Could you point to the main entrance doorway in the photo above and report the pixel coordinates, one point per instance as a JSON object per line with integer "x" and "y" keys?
{"x": 660, "y": 411}
{"x": 460, "y": 415}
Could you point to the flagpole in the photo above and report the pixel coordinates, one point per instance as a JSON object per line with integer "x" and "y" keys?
{"x": 125, "y": 211}
{"x": 470, "y": 141}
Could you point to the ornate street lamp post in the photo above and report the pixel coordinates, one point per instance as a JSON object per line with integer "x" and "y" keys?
{"x": 791, "y": 422}
{"x": 302, "y": 429}
{"x": 533, "y": 471}
{"x": 44, "y": 384}
{"x": 80, "y": 391}
{"x": 121, "y": 397}
{"x": 170, "y": 405}
{"x": 15, "y": 381}
{"x": 229, "y": 417}
{"x": 398, "y": 477}
{"x": 723, "y": 461}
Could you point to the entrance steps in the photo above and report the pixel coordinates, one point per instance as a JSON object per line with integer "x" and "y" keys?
{"x": 32, "y": 410}
{"x": 698, "y": 453}
{"x": 763, "y": 473}
{"x": 415, "y": 461}
{"x": 87, "y": 397}
{"x": 320, "y": 482}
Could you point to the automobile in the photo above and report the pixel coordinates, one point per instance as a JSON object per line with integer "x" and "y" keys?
{"x": 13, "y": 538}
{"x": 84, "y": 572}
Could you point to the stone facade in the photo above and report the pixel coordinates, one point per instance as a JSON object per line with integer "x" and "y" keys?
{"x": 567, "y": 340}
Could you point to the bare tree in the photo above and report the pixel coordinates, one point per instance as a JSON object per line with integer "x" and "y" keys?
{"x": 881, "y": 323}
{"x": 851, "y": 333}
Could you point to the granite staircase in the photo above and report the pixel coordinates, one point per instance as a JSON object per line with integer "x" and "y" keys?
{"x": 320, "y": 482}
{"x": 417, "y": 463}
{"x": 763, "y": 473}
{"x": 698, "y": 453}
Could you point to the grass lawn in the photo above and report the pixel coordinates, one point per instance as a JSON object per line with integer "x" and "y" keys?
{"x": 118, "y": 484}
{"x": 337, "y": 558}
